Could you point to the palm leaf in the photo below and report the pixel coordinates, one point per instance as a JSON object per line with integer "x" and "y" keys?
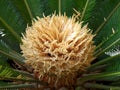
{"x": 99, "y": 86}
{"x": 109, "y": 43}
{"x": 5, "y": 50}
{"x": 65, "y": 6}
{"x": 87, "y": 11}
{"x": 12, "y": 26}
{"x": 9, "y": 74}
{"x": 17, "y": 86}
{"x": 29, "y": 9}
{"x": 104, "y": 61}
{"x": 101, "y": 11}
{"x": 98, "y": 76}
{"x": 109, "y": 25}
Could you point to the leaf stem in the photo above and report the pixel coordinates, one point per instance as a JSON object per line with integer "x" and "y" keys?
{"x": 99, "y": 86}
{"x": 83, "y": 13}
{"x": 96, "y": 76}
{"x": 18, "y": 86}
{"x": 24, "y": 80}
{"x": 103, "y": 61}
{"x": 12, "y": 57}
{"x": 59, "y": 7}
{"x": 25, "y": 73}
{"x": 28, "y": 8}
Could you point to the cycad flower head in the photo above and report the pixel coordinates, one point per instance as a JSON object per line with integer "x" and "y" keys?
{"x": 58, "y": 48}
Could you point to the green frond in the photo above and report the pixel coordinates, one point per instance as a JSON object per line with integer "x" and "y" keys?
{"x": 17, "y": 86}
{"x": 108, "y": 44}
{"x": 101, "y": 11}
{"x": 106, "y": 19}
{"x": 98, "y": 76}
{"x": 87, "y": 10}
{"x": 5, "y": 50}
{"x": 29, "y": 9}
{"x": 109, "y": 24}
{"x": 9, "y": 74}
{"x": 113, "y": 61}
{"x": 11, "y": 23}
{"x": 100, "y": 86}
{"x": 104, "y": 61}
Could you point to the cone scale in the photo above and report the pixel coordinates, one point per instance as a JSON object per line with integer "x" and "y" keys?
{"x": 58, "y": 48}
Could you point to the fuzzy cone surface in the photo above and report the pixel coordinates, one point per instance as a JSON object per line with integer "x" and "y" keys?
{"x": 58, "y": 48}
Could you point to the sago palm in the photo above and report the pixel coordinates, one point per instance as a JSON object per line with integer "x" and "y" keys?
{"x": 60, "y": 44}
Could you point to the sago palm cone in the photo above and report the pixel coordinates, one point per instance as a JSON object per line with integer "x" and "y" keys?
{"x": 58, "y": 48}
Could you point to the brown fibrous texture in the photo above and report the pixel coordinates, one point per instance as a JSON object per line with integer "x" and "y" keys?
{"x": 58, "y": 48}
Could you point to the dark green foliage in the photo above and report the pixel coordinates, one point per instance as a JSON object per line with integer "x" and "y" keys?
{"x": 102, "y": 11}
{"x": 11, "y": 22}
{"x": 86, "y": 8}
